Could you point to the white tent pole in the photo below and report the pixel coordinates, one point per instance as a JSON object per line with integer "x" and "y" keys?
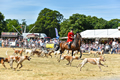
{"x": 16, "y": 29}
{"x": 25, "y": 29}
{"x": 31, "y": 29}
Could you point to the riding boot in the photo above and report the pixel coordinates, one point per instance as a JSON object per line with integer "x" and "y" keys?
{"x": 69, "y": 46}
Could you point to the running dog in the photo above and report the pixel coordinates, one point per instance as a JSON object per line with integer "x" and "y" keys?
{"x": 37, "y": 53}
{"x": 69, "y": 58}
{"x": 17, "y": 59}
{"x": 30, "y": 51}
{"x": 49, "y": 53}
{"x": 2, "y": 60}
{"x": 95, "y": 61}
{"x": 70, "y": 52}
{"x": 18, "y": 51}
{"x": 96, "y": 52}
{"x": 100, "y": 52}
{"x": 57, "y": 53}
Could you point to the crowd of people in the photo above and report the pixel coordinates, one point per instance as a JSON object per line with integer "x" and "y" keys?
{"x": 112, "y": 46}
{"x": 26, "y": 43}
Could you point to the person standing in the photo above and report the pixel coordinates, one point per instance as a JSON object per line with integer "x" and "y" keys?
{"x": 117, "y": 47}
{"x": 113, "y": 46}
{"x": 70, "y": 38}
{"x": 42, "y": 43}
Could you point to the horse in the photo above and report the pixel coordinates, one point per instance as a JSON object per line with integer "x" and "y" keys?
{"x": 75, "y": 45}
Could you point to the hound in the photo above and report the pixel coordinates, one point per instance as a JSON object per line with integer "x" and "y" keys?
{"x": 2, "y": 60}
{"x": 45, "y": 53}
{"x": 96, "y": 52}
{"x": 49, "y": 53}
{"x": 57, "y": 52}
{"x": 37, "y": 53}
{"x": 69, "y": 58}
{"x": 17, "y": 59}
{"x": 30, "y": 51}
{"x": 70, "y": 52}
{"x": 18, "y": 51}
{"x": 95, "y": 61}
{"x": 100, "y": 52}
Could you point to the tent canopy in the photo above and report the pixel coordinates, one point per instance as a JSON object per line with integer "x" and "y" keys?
{"x": 101, "y": 33}
{"x": 32, "y": 35}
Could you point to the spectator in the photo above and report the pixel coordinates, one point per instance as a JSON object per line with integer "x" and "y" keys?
{"x": 51, "y": 41}
{"x": 25, "y": 43}
{"x": 6, "y": 43}
{"x": 117, "y": 45}
{"x": 110, "y": 43}
{"x": 46, "y": 41}
{"x": 2, "y": 43}
{"x": 36, "y": 43}
{"x": 41, "y": 43}
{"x": 96, "y": 42}
{"x": 16, "y": 42}
{"x": 113, "y": 46}
{"x": 55, "y": 41}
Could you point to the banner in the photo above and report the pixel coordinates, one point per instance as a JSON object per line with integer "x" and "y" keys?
{"x": 49, "y": 45}
{"x": 9, "y": 34}
{"x": 56, "y": 31}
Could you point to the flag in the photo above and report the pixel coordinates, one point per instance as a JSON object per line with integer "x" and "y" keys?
{"x": 56, "y": 31}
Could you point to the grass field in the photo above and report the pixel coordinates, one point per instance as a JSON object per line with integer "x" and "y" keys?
{"x": 49, "y": 69}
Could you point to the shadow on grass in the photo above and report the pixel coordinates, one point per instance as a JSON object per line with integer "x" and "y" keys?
{"x": 24, "y": 70}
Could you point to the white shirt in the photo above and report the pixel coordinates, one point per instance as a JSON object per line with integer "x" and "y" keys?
{"x": 96, "y": 42}
{"x": 113, "y": 43}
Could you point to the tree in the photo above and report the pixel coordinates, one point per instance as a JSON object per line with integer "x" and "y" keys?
{"x": 10, "y": 23}
{"x": 64, "y": 27}
{"x": 76, "y": 21}
{"x": 80, "y": 22}
{"x": 114, "y": 23}
{"x": 30, "y": 27}
{"x": 2, "y": 23}
{"x": 47, "y": 21}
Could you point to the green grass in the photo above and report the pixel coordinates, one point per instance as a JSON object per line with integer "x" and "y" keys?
{"x": 49, "y": 69}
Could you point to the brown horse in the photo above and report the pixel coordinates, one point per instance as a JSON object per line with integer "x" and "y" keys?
{"x": 75, "y": 45}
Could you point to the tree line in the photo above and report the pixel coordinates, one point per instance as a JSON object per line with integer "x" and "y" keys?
{"x": 48, "y": 20}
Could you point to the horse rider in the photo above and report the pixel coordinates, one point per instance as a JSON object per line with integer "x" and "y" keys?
{"x": 70, "y": 38}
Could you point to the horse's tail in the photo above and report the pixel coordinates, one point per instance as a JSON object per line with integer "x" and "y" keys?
{"x": 57, "y": 47}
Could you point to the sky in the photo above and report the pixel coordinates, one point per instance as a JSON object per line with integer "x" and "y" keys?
{"x": 29, "y": 9}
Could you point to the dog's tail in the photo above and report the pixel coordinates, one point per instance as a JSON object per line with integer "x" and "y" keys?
{"x": 6, "y": 52}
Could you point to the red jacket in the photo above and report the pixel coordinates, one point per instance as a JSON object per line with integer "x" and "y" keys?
{"x": 70, "y": 35}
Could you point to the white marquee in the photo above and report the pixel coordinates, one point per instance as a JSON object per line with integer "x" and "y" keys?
{"x": 101, "y": 33}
